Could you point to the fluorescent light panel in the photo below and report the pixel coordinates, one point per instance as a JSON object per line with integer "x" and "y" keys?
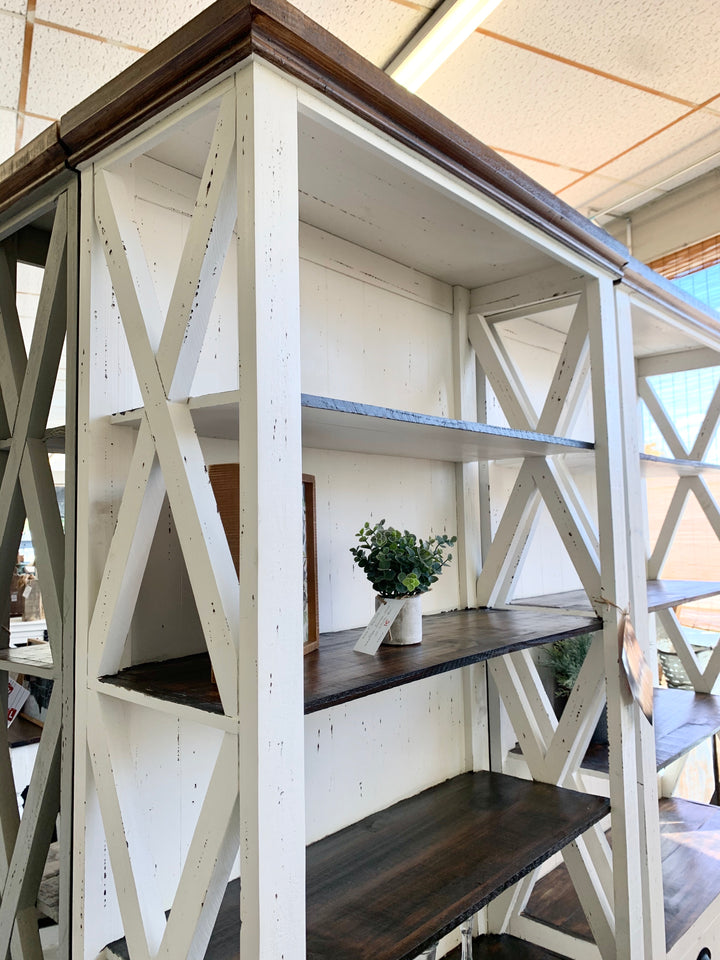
{"x": 437, "y": 39}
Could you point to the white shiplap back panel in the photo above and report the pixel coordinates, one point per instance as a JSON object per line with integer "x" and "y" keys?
{"x": 164, "y": 199}
{"x": 362, "y": 756}
{"x": 418, "y": 495}
{"x": 363, "y": 342}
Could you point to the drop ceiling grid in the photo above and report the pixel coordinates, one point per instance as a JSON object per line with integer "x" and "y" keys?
{"x": 93, "y": 63}
{"x": 377, "y": 29}
{"x": 131, "y": 22}
{"x": 692, "y": 146}
{"x": 12, "y": 28}
{"x": 662, "y": 44}
{"x": 558, "y": 113}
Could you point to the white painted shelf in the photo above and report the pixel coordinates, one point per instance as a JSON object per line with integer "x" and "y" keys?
{"x": 330, "y": 424}
{"x": 35, "y": 660}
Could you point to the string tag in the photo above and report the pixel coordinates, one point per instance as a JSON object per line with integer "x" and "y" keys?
{"x": 637, "y": 670}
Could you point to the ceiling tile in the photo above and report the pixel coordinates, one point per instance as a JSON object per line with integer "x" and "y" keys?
{"x": 514, "y": 100}
{"x": 14, "y": 6}
{"x": 32, "y": 126}
{"x": 12, "y": 30}
{"x": 693, "y": 140}
{"x": 550, "y": 175}
{"x": 357, "y": 25}
{"x": 663, "y": 44}
{"x": 597, "y": 193}
{"x": 85, "y": 64}
{"x": 129, "y": 21}
{"x": 7, "y": 134}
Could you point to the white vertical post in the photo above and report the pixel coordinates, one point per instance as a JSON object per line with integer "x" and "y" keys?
{"x": 466, "y": 474}
{"x": 271, "y": 749}
{"x": 635, "y": 525}
{"x": 639, "y": 921}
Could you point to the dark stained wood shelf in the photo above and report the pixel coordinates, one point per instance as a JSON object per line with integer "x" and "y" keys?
{"x": 501, "y": 946}
{"x": 691, "y": 875}
{"x": 336, "y": 673}
{"x": 390, "y": 885}
{"x": 682, "y": 719}
{"x": 661, "y": 595}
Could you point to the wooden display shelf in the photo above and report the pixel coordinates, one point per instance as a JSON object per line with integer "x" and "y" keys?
{"x": 392, "y": 884}
{"x": 35, "y": 660}
{"x": 501, "y": 946}
{"x": 54, "y": 438}
{"x": 682, "y": 719}
{"x": 336, "y": 673}
{"x": 661, "y": 595}
{"x": 389, "y": 886}
{"x": 329, "y": 424}
{"x": 691, "y": 875}
{"x": 668, "y": 467}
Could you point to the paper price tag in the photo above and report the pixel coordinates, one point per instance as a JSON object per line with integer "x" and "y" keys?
{"x": 375, "y": 632}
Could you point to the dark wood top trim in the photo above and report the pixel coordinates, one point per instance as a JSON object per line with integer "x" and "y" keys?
{"x": 229, "y": 31}
{"x": 30, "y": 168}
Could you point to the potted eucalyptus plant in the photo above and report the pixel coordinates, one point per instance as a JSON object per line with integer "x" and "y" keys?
{"x": 401, "y": 565}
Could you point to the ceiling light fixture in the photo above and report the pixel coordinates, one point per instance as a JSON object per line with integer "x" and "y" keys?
{"x": 437, "y": 39}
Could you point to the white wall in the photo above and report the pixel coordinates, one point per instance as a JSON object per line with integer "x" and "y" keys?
{"x": 683, "y": 216}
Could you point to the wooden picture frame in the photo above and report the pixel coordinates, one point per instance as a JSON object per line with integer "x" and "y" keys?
{"x": 225, "y": 481}
{"x": 311, "y": 613}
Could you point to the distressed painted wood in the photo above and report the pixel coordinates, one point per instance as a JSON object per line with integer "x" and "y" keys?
{"x": 27, "y": 382}
{"x": 205, "y": 547}
{"x": 636, "y": 874}
{"x": 271, "y": 750}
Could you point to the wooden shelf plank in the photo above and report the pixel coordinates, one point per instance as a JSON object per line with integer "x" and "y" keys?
{"x": 393, "y": 883}
{"x": 54, "y": 438}
{"x": 501, "y": 946}
{"x": 335, "y": 673}
{"x": 330, "y": 424}
{"x": 390, "y": 885}
{"x": 668, "y": 467}
{"x": 682, "y": 719}
{"x": 661, "y": 595}
{"x": 35, "y": 660}
{"x": 691, "y": 875}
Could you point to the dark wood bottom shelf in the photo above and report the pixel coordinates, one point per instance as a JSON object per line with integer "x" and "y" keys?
{"x": 336, "y": 673}
{"x": 682, "y": 719}
{"x": 661, "y": 595}
{"x": 501, "y": 946}
{"x": 691, "y": 875}
{"x": 392, "y": 884}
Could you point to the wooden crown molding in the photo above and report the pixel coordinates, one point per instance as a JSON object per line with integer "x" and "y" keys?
{"x": 228, "y": 32}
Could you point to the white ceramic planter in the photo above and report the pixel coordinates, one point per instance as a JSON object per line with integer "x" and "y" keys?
{"x": 407, "y": 626}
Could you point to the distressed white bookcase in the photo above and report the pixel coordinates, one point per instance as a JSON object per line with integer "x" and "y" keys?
{"x": 287, "y": 261}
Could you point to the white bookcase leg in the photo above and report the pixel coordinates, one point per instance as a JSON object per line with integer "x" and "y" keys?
{"x": 271, "y": 751}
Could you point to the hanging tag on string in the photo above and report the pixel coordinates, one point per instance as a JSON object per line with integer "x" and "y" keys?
{"x": 637, "y": 669}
